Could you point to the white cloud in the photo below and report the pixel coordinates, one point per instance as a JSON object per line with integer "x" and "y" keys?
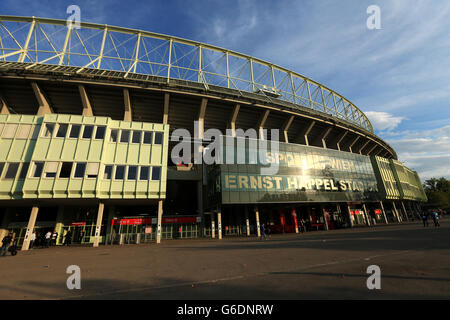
{"x": 383, "y": 120}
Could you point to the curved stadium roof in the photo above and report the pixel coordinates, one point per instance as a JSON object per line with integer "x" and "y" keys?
{"x": 40, "y": 41}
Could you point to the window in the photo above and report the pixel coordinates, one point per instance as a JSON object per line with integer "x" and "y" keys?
{"x": 66, "y": 169}
{"x": 100, "y": 133}
{"x": 132, "y": 173}
{"x": 48, "y": 130}
{"x": 24, "y": 131}
{"x": 87, "y": 133}
{"x": 79, "y": 170}
{"x": 62, "y": 130}
{"x": 92, "y": 170}
{"x": 37, "y": 169}
{"x": 24, "y": 170}
{"x": 158, "y": 137}
{"x": 75, "y": 131}
{"x": 2, "y": 165}
{"x": 108, "y": 173}
{"x": 125, "y": 136}
{"x": 11, "y": 172}
{"x": 144, "y": 174}
{"x": 114, "y": 134}
{"x": 120, "y": 172}
{"x": 147, "y": 137}
{"x": 156, "y": 173}
{"x": 10, "y": 130}
{"x": 136, "y": 137}
{"x": 50, "y": 169}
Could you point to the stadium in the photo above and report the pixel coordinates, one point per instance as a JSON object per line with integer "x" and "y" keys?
{"x": 88, "y": 115}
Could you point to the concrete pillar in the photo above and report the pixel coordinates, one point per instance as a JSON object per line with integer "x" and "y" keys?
{"x": 286, "y": 126}
{"x": 213, "y": 226}
{"x": 247, "y": 221}
{"x": 399, "y": 219}
{"x": 219, "y": 225}
{"x": 232, "y": 122}
{"x": 30, "y": 228}
{"x": 258, "y": 231}
{"x": 128, "y": 115}
{"x": 166, "y": 108}
{"x": 294, "y": 219}
{"x": 87, "y": 108}
{"x": 111, "y": 213}
{"x": 261, "y": 123}
{"x": 160, "y": 213}
{"x": 44, "y": 106}
{"x": 366, "y": 214}
{"x": 325, "y": 221}
{"x": 98, "y": 226}
{"x": 4, "y": 107}
{"x": 384, "y": 213}
{"x": 59, "y": 224}
{"x": 404, "y": 211}
{"x": 350, "y": 216}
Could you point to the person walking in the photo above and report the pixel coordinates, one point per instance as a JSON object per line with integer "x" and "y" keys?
{"x": 48, "y": 238}
{"x": 32, "y": 240}
{"x": 425, "y": 219}
{"x": 302, "y": 225}
{"x": 54, "y": 237}
{"x": 263, "y": 231}
{"x": 435, "y": 216}
{"x": 6, "y": 243}
{"x": 68, "y": 238}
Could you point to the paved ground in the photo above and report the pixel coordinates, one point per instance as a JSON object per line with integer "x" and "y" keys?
{"x": 414, "y": 262}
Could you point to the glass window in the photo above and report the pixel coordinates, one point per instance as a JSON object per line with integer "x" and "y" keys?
{"x": 136, "y": 137}
{"x": 147, "y": 137}
{"x": 125, "y": 136}
{"x": 120, "y": 172}
{"x": 108, "y": 172}
{"x": 66, "y": 169}
{"x": 100, "y": 133}
{"x": 62, "y": 130}
{"x": 132, "y": 173}
{"x": 48, "y": 130}
{"x": 75, "y": 131}
{"x": 114, "y": 134}
{"x": 24, "y": 131}
{"x": 11, "y": 172}
{"x": 92, "y": 169}
{"x": 87, "y": 133}
{"x": 156, "y": 173}
{"x": 50, "y": 169}
{"x": 23, "y": 171}
{"x": 10, "y": 130}
{"x": 79, "y": 170}
{"x": 158, "y": 137}
{"x": 144, "y": 174}
{"x": 37, "y": 169}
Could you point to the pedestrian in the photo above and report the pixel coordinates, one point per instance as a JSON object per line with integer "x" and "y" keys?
{"x": 435, "y": 216}
{"x": 6, "y": 243}
{"x": 425, "y": 219}
{"x": 68, "y": 238}
{"x": 32, "y": 240}
{"x": 48, "y": 239}
{"x": 263, "y": 231}
{"x": 302, "y": 225}
{"x": 54, "y": 237}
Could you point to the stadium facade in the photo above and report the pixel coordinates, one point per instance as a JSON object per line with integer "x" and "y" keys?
{"x": 88, "y": 117}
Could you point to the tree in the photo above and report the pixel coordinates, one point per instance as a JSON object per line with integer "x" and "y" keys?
{"x": 438, "y": 192}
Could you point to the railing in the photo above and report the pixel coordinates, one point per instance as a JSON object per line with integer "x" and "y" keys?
{"x": 134, "y": 52}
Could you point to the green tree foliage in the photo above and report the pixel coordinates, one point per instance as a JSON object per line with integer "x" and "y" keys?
{"x": 438, "y": 192}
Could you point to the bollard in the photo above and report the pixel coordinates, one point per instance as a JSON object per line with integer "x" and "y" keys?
{"x": 122, "y": 237}
{"x": 138, "y": 238}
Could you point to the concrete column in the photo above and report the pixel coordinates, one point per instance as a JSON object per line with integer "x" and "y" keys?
{"x": 30, "y": 228}
{"x": 294, "y": 219}
{"x": 59, "y": 224}
{"x": 219, "y": 224}
{"x": 384, "y": 213}
{"x": 302, "y": 135}
{"x": 128, "y": 115}
{"x": 166, "y": 108}
{"x": 258, "y": 232}
{"x": 261, "y": 123}
{"x": 98, "y": 226}
{"x": 87, "y": 108}
{"x": 44, "y": 105}
{"x": 353, "y": 143}
{"x": 325, "y": 222}
{"x": 247, "y": 221}
{"x": 404, "y": 211}
{"x": 366, "y": 214}
{"x": 160, "y": 213}
{"x": 213, "y": 227}
{"x": 399, "y": 219}
{"x": 111, "y": 212}
{"x": 286, "y": 126}
{"x": 232, "y": 123}
{"x": 350, "y": 216}
{"x": 4, "y": 107}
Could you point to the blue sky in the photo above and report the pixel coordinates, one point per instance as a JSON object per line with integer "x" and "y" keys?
{"x": 398, "y": 75}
